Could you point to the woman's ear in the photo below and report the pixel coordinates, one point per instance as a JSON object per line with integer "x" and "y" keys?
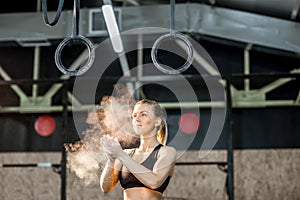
{"x": 157, "y": 122}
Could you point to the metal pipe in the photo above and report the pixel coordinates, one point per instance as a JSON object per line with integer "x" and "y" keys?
{"x": 14, "y": 87}
{"x": 230, "y": 143}
{"x": 64, "y": 136}
{"x": 30, "y": 165}
{"x": 247, "y": 66}
{"x": 36, "y": 72}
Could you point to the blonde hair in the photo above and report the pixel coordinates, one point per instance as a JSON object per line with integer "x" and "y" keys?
{"x": 162, "y": 132}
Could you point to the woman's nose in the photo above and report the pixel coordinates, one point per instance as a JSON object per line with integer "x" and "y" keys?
{"x": 138, "y": 118}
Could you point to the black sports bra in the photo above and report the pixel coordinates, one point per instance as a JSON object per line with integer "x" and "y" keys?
{"x": 128, "y": 180}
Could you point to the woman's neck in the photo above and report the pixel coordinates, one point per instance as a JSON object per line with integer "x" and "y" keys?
{"x": 148, "y": 143}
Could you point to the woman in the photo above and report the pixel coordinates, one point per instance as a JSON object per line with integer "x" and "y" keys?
{"x": 143, "y": 172}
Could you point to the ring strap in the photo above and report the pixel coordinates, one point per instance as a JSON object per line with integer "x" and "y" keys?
{"x": 76, "y": 12}
{"x": 172, "y": 21}
{"x": 58, "y": 12}
{"x": 75, "y": 37}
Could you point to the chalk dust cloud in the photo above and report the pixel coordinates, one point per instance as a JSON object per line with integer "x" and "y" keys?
{"x": 85, "y": 158}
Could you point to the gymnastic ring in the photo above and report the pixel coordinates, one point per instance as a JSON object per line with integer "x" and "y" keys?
{"x": 82, "y": 69}
{"x": 167, "y": 69}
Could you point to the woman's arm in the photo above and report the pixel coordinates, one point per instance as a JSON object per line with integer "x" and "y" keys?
{"x": 151, "y": 178}
{"x": 162, "y": 169}
{"x": 110, "y": 175}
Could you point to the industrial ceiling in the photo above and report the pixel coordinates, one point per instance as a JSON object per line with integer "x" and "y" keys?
{"x": 243, "y": 37}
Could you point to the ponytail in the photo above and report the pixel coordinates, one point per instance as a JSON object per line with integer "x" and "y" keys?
{"x": 162, "y": 133}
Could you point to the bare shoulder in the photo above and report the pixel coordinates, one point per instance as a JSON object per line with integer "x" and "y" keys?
{"x": 168, "y": 151}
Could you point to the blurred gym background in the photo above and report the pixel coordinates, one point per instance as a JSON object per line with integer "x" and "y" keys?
{"x": 255, "y": 46}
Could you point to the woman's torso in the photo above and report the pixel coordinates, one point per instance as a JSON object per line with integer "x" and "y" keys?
{"x": 140, "y": 192}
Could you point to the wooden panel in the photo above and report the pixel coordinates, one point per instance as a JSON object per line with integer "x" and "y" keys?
{"x": 259, "y": 174}
{"x": 30, "y": 158}
{"x": 195, "y": 182}
{"x": 77, "y": 190}
{"x": 267, "y": 174}
{"x": 202, "y": 156}
{"x": 29, "y": 182}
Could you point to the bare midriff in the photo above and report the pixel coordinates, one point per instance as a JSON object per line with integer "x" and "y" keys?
{"x": 141, "y": 193}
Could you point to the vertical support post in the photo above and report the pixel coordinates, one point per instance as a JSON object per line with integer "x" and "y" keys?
{"x": 247, "y": 66}
{"x": 64, "y": 156}
{"x": 36, "y": 72}
{"x": 230, "y": 143}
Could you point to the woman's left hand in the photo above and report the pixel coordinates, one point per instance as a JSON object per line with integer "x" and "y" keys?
{"x": 111, "y": 146}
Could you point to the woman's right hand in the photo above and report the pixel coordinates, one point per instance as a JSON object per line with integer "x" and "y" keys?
{"x": 107, "y": 153}
{"x": 111, "y": 146}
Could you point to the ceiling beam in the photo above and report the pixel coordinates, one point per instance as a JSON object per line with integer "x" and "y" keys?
{"x": 224, "y": 23}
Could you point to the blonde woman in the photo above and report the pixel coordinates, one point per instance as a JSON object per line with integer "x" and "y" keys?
{"x": 143, "y": 172}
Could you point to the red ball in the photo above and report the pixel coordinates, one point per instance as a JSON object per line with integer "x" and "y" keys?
{"x": 45, "y": 125}
{"x": 189, "y": 123}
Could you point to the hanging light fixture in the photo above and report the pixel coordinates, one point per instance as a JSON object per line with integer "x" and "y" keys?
{"x": 112, "y": 26}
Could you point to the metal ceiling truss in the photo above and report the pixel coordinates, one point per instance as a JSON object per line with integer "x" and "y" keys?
{"x": 248, "y": 97}
{"x": 28, "y": 29}
{"x": 245, "y": 98}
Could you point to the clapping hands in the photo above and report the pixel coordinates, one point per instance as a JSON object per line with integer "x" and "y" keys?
{"x": 111, "y": 147}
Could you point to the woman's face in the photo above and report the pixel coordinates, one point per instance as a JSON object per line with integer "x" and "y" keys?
{"x": 143, "y": 119}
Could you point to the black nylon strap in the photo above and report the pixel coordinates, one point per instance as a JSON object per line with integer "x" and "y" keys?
{"x": 58, "y": 12}
{"x": 76, "y": 11}
{"x": 172, "y": 20}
